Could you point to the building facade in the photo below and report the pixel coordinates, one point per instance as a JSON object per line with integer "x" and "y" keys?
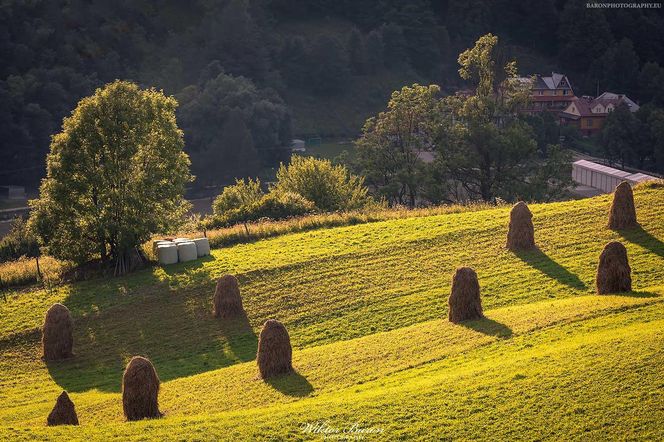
{"x": 551, "y": 94}
{"x": 604, "y": 178}
{"x": 588, "y": 114}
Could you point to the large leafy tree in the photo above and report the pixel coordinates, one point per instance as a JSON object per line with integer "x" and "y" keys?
{"x": 392, "y": 144}
{"x": 584, "y": 35}
{"x": 328, "y": 65}
{"x": 651, "y": 83}
{"x": 618, "y": 69}
{"x": 115, "y": 176}
{"x": 619, "y": 135}
{"x": 216, "y": 140}
{"x": 482, "y": 145}
{"x": 656, "y": 124}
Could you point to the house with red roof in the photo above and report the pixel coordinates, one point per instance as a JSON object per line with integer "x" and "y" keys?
{"x": 588, "y": 113}
{"x": 551, "y": 94}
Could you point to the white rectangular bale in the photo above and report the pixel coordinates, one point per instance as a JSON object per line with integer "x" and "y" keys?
{"x": 167, "y": 253}
{"x": 202, "y": 246}
{"x": 186, "y": 251}
{"x": 158, "y": 242}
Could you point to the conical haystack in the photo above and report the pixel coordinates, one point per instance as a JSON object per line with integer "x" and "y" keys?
{"x": 64, "y": 412}
{"x": 622, "y": 214}
{"x": 227, "y": 300}
{"x": 464, "y": 301}
{"x": 275, "y": 354}
{"x": 140, "y": 390}
{"x": 521, "y": 233}
{"x": 57, "y": 334}
{"x": 613, "y": 271}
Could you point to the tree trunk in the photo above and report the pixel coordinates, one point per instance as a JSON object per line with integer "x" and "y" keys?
{"x": 103, "y": 251}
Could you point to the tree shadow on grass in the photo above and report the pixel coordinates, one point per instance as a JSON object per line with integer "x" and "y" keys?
{"x": 241, "y": 339}
{"x": 641, "y": 237}
{"x": 489, "y": 327}
{"x": 293, "y": 384}
{"x": 542, "y": 262}
{"x": 174, "y": 329}
{"x": 184, "y": 267}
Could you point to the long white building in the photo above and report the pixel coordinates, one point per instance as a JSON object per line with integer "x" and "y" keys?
{"x": 603, "y": 178}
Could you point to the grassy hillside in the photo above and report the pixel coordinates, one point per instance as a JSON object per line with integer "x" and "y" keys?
{"x": 365, "y": 307}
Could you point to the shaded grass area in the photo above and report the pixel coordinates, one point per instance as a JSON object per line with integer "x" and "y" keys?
{"x": 542, "y": 262}
{"x": 644, "y": 239}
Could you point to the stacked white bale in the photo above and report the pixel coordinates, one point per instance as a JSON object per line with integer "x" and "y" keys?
{"x": 178, "y": 240}
{"x": 167, "y": 253}
{"x": 202, "y": 246}
{"x": 186, "y": 251}
{"x": 159, "y": 242}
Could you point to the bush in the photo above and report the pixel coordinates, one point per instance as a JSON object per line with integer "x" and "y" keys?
{"x": 329, "y": 187}
{"x": 306, "y": 185}
{"x": 281, "y": 205}
{"x": 274, "y": 205}
{"x": 23, "y": 271}
{"x": 242, "y": 193}
{"x": 20, "y": 241}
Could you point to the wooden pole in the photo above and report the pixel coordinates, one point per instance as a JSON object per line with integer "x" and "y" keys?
{"x": 39, "y": 274}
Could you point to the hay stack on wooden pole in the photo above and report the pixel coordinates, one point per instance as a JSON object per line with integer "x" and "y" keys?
{"x": 464, "y": 301}
{"x": 613, "y": 271}
{"x": 57, "y": 334}
{"x": 622, "y": 214}
{"x": 227, "y": 300}
{"x": 64, "y": 412}
{"x": 140, "y": 390}
{"x": 521, "y": 233}
{"x": 275, "y": 354}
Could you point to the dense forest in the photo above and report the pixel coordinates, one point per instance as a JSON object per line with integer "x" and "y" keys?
{"x": 251, "y": 74}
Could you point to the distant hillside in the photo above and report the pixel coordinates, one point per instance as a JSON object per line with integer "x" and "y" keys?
{"x": 365, "y": 307}
{"x": 329, "y": 63}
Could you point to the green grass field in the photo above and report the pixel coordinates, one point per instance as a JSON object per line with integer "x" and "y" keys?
{"x": 365, "y": 307}
{"x": 331, "y": 149}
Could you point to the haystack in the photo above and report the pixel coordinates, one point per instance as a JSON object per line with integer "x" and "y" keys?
{"x": 622, "y": 214}
{"x": 227, "y": 300}
{"x": 275, "y": 354}
{"x": 57, "y": 334}
{"x": 64, "y": 412}
{"x": 140, "y": 390}
{"x": 613, "y": 271}
{"x": 521, "y": 233}
{"x": 464, "y": 301}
